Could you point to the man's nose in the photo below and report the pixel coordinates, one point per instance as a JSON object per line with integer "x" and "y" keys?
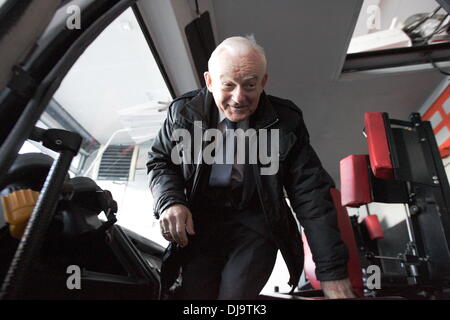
{"x": 238, "y": 95}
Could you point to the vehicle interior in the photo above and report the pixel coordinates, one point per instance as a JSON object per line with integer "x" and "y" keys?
{"x": 85, "y": 88}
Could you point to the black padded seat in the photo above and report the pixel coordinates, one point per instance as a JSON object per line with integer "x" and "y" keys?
{"x": 29, "y": 170}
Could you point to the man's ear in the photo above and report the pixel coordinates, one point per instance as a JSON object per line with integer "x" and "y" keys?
{"x": 208, "y": 80}
{"x": 264, "y": 80}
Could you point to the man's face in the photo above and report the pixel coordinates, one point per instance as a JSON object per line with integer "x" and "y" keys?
{"x": 236, "y": 83}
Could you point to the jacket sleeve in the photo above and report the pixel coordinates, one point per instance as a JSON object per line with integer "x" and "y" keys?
{"x": 308, "y": 188}
{"x": 166, "y": 178}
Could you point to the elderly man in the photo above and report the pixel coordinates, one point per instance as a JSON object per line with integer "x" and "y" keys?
{"x": 227, "y": 222}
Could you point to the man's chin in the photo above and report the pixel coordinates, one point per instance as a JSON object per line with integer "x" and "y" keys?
{"x": 238, "y": 115}
{"x": 237, "y": 118}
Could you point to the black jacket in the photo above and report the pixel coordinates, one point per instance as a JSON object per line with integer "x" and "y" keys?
{"x": 300, "y": 176}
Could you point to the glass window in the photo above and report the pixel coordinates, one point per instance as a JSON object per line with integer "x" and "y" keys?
{"x": 116, "y": 98}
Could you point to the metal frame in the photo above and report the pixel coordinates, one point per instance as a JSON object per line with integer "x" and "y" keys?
{"x": 427, "y": 218}
{"x": 396, "y": 57}
{"x": 153, "y": 49}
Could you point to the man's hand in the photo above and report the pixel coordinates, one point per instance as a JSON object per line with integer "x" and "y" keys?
{"x": 337, "y": 289}
{"x": 174, "y": 222}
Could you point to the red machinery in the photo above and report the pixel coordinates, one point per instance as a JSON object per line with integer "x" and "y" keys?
{"x": 403, "y": 167}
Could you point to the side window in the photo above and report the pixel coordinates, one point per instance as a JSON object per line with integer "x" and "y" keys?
{"x": 116, "y": 98}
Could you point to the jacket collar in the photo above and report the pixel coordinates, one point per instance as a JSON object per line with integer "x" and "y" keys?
{"x": 199, "y": 109}
{"x": 265, "y": 115}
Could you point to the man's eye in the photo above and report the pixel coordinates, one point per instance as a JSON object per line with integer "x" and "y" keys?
{"x": 228, "y": 86}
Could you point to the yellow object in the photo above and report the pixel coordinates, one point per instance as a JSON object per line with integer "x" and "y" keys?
{"x": 17, "y": 209}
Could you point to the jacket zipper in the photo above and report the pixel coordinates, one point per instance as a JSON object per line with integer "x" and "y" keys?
{"x": 258, "y": 186}
{"x": 199, "y": 161}
{"x": 196, "y": 177}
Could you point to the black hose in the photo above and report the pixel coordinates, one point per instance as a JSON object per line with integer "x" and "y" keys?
{"x": 35, "y": 232}
{"x": 197, "y": 9}
{"x": 423, "y": 20}
{"x": 433, "y": 63}
{"x": 435, "y": 31}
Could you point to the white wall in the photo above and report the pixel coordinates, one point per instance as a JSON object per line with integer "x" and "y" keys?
{"x": 447, "y": 167}
{"x": 166, "y": 21}
{"x": 388, "y": 214}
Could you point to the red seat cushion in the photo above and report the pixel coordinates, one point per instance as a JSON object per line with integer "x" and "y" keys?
{"x": 373, "y": 227}
{"x": 380, "y": 156}
{"x": 355, "y": 185}
{"x": 354, "y": 264}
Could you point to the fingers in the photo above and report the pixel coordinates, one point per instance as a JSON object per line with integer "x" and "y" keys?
{"x": 190, "y": 225}
{"x": 337, "y": 289}
{"x": 165, "y": 230}
{"x": 174, "y": 222}
{"x": 180, "y": 233}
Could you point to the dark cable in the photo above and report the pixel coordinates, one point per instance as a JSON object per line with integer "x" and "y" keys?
{"x": 443, "y": 27}
{"x": 423, "y": 20}
{"x": 425, "y": 40}
{"x": 197, "y": 10}
{"x": 435, "y": 65}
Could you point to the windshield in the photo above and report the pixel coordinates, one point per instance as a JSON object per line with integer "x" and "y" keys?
{"x": 115, "y": 97}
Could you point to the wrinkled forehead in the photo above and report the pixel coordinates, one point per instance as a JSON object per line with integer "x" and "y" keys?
{"x": 237, "y": 66}
{"x": 237, "y": 76}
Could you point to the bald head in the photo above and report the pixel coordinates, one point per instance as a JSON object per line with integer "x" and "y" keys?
{"x": 236, "y": 77}
{"x": 236, "y": 47}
